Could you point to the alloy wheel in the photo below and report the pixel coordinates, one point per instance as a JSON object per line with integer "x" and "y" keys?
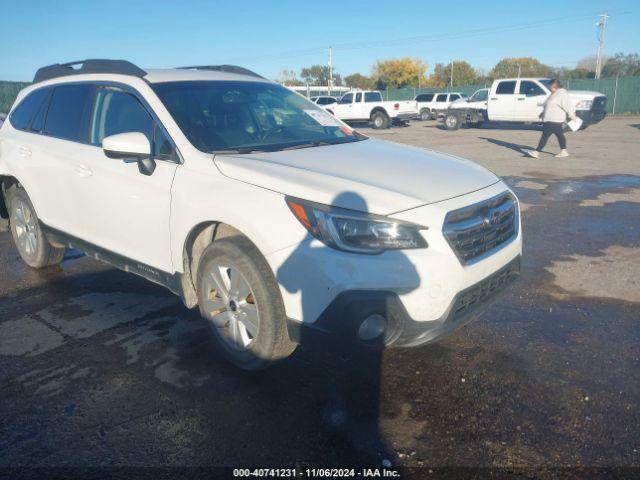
{"x": 26, "y": 228}
{"x": 230, "y": 306}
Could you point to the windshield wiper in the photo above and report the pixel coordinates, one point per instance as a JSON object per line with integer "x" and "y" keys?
{"x": 315, "y": 143}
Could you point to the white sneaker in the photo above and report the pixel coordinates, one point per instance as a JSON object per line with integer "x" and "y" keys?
{"x": 563, "y": 153}
{"x": 531, "y": 153}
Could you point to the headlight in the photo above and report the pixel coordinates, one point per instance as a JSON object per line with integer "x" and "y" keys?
{"x": 353, "y": 231}
{"x": 584, "y": 105}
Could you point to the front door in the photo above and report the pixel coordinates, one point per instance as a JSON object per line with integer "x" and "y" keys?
{"x": 125, "y": 211}
{"x": 530, "y": 98}
{"x": 502, "y": 101}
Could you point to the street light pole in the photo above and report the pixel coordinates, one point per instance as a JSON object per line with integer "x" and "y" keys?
{"x": 602, "y": 29}
{"x": 330, "y": 71}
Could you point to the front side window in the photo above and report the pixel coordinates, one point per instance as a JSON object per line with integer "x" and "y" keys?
{"x": 479, "y": 96}
{"x": 347, "y": 98}
{"x": 372, "y": 97}
{"x": 530, "y": 89}
{"x": 441, "y": 98}
{"x": 21, "y": 116}
{"x": 241, "y": 116}
{"x": 506, "y": 88}
{"x": 117, "y": 111}
{"x": 425, "y": 97}
{"x": 453, "y": 97}
{"x": 68, "y": 113}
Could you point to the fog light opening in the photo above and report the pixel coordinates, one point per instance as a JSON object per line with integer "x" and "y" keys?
{"x": 372, "y": 327}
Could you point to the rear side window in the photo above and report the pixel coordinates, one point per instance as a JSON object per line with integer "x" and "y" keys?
{"x": 21, "y": 116}
{"x": 358, "y": 97}
{"x": 441, "y": 98}
{"x": 506, "y": 88}
{"x": 372, "y": 97}
{"x": 68, "y": 113}
{"x": 117, "y": 111}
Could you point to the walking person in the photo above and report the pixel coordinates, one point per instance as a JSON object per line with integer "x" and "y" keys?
{"x": 557, "y": 108}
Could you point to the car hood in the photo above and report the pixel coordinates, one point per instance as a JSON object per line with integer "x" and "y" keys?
{"x": 387, "y": 176}
{"x": 584, "y": 94}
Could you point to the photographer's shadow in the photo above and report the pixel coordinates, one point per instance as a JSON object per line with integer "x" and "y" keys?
{"x": 350, "y": 379}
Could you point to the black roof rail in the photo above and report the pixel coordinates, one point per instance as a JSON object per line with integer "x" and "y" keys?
{"x": 224, "y": 68}
{"x": 121, "y": 67}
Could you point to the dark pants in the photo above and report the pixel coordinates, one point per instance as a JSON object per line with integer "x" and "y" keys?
{"x": 549, "y": 128}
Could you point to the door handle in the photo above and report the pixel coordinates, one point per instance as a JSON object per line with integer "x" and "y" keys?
{"x": 521, "y": 99}
{"x": 83, "y": 171}
{"x": 25, "y": 152}
{"x": 494, "y": 98}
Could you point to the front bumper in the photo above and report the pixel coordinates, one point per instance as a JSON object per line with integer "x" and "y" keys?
{"x": 595, "y": 114}
{"x": 345, "y": 314}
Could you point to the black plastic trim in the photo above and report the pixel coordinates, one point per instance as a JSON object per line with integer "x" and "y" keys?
{"x": 224, "y": 68}
{"x": 168, "y": 280}
{"x": 120, "y": 67}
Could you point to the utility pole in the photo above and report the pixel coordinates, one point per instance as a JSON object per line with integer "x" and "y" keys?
{"x": 451, "y": 83}
{"x": 330, "y": 71}
{"x": 602, "y": 30}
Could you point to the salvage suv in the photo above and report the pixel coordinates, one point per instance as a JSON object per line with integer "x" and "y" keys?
{"x": 254, "y": 204}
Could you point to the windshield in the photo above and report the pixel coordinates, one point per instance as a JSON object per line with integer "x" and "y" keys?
{"x": 219, "y": 116}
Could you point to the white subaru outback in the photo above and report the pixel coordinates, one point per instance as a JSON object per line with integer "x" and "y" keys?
{"x": 254, "y": 204}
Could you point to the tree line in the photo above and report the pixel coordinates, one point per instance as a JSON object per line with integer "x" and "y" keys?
{"x": 412, "y": 72}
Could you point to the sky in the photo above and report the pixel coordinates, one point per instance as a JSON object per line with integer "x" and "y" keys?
{"x": 270, "y": 36}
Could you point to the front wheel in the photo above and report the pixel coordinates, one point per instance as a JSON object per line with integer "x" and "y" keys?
{"x": 30, "y": 240}
{"x": 452, "y": 121}
{"x": 379, "y": 120}
{"x": 239, "y": 297}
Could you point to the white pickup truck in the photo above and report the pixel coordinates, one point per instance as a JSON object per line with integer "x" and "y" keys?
{"x": 368, "y": 106}
{"x": 521, "y": 100}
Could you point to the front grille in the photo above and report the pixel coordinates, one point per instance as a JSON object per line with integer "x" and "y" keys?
{"x": 478, "y": 294}
{"x": 475, "y": 230}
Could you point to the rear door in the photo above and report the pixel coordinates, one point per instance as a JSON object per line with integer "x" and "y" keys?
{"x": 125, "y": 211}
{"x": 502, "y": 101}
{"x": 56, "y": 140}
{"x": 528, "y": 105}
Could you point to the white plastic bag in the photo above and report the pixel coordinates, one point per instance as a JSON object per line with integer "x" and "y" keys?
{"x": 575, "y": 125}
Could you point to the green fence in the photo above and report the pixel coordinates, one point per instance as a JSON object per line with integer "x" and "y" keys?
{"x": 623, "y": 94}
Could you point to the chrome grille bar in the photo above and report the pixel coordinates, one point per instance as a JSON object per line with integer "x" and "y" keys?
{"x": 481, "y": 228}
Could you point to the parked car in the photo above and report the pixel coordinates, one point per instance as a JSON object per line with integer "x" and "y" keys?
{"x": 431, "y": 105}
{"x": 368, "y": 106}
{"x": 272, "y": 225}
{"x": 522, "y": 99}
{"x": 474, "y": 108}
{"x": 323, "y": 100}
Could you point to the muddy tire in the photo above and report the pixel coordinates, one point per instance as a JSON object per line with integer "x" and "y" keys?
{"x": 380, "y": 120}
{"x": 239, "y": 297}
{"x": 452, "y": 121}
{"x": 30, "y": 240}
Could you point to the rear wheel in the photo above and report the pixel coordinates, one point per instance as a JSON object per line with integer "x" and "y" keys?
{"x": 425, "y": 114}
{"x": 239, "y": 296}
{"x": 379, "y": 120}
{"x": 32, "y": 244}
{"x": 452, "y": 121}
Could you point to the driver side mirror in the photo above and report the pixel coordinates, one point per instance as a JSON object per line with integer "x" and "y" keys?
{"x": 130, "y": 146}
